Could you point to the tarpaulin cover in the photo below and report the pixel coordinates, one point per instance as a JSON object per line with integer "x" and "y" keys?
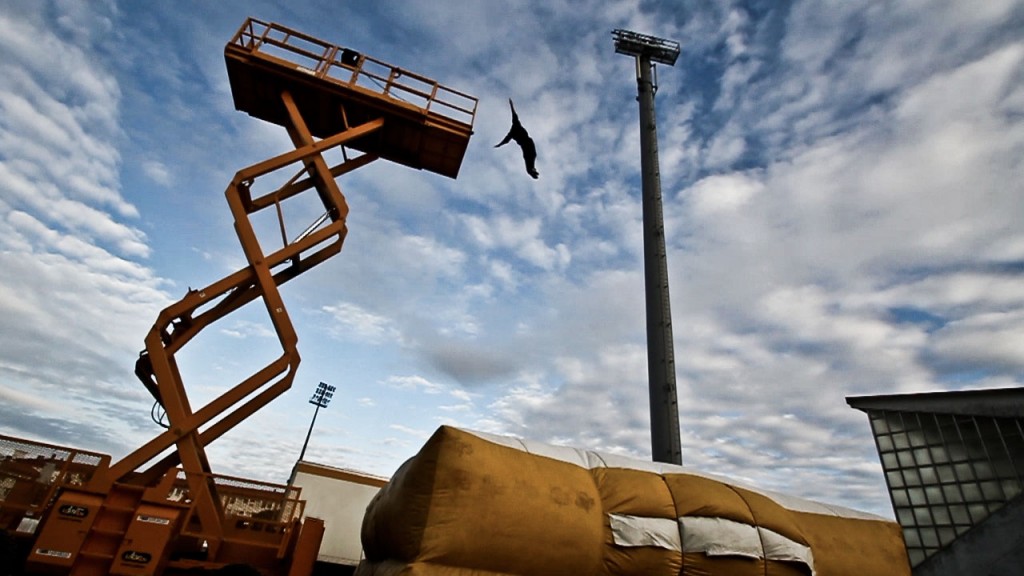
{"x": 475, "y": 504}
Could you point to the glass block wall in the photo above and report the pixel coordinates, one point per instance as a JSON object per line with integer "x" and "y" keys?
{"x": 946, "y": 473}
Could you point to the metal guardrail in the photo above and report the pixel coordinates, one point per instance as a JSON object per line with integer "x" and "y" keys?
{"x": 256, "y": 512}
{"x": 351, "y": 68}
{"x": 31, "y": 473}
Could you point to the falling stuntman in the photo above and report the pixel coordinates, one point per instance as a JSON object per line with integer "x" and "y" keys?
{"x": 519, "y": 134}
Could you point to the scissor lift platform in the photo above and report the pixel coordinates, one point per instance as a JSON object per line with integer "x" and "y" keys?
{"x": 426, "y": 125}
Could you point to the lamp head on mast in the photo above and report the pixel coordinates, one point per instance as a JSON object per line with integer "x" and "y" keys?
{"x": 659, "y": 50}
{"x": 322, "y": 397}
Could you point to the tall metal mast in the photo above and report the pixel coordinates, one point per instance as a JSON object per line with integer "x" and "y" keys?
{"x": 661, "y": 367}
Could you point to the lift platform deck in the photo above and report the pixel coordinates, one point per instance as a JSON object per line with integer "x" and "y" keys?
{"x": 426, "y": 125}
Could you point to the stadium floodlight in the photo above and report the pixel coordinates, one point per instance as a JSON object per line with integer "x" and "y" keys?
{"x": 656, "y": 49}
{"x": 321, "y": 398}
{"x": 661, "y": 364}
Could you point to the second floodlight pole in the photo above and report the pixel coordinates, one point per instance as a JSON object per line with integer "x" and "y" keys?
{"x": 302, "y": 455}
{"x": 322, "y": 397}
{"x": 661, "y": 368}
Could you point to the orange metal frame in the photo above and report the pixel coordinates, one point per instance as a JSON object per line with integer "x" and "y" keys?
{"x": 320, "y": 113}
{"x": 179, "y": 323}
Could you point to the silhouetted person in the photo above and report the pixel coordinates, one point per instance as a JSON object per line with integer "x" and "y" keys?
{"x": 519, "y": 134}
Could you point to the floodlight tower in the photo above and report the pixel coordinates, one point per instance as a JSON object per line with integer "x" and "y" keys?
{"x": 661, "y": 367}
{"x": 322, "y": 397}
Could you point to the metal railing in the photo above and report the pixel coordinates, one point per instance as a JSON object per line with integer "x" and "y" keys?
{"x": 258, "y": 513}
{"x": 31, "y": 473}
{"x": 347, "y": 67}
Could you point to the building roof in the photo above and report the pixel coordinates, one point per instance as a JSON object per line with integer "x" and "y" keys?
{"x": 994, "y": 402}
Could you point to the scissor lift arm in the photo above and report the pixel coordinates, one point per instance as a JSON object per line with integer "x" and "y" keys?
{"x": 137, "y": 493}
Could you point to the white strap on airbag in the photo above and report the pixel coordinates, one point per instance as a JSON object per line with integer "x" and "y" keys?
{"x": 778, "y": 547}
{"x": 720, "y": 537}
{"x": 645, "y": 531}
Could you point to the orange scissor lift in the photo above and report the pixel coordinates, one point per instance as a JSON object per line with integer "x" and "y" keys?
{"x": 160, "y": 509}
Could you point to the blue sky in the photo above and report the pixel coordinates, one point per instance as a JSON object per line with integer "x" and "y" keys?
{"x": 843, "y": 208}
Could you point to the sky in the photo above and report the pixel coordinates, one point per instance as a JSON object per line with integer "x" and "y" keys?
{"x": 843, "y": 203}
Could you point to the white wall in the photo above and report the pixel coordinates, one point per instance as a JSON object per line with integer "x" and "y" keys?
{"x": 339, "y": 497}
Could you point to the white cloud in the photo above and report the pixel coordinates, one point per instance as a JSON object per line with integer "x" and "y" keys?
{"x": 984, "y": 342}
{"x": 722, "y": 193}
{"x": 76, "y": 299}
{"x": 157, "y": 172}
{"x": 349, "y": 320}
{"x": 417, "y": 434}
{"x": 522, "y": 237}
{"x": 415, "y": 383}
{"x": 420, "y": 253}
{"x": 245, "y": 329}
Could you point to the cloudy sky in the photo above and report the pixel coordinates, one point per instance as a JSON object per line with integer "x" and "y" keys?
{"x": 843, "y": 207}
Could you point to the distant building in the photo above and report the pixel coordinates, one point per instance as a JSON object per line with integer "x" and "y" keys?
{"x": 954, "y": 464}
{"x": 339, "y": 497}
